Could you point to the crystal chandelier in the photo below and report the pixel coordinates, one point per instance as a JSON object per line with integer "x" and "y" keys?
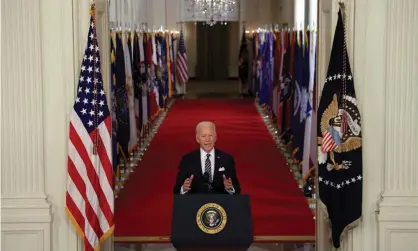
{"x": 210, "y": 11}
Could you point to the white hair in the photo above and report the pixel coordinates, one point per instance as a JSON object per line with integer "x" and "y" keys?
{"x": 205, "y": 123}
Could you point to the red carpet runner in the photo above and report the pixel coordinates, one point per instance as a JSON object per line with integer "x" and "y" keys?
{"x": 280, "y": 212}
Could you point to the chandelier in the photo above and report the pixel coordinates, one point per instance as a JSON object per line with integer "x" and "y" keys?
{"x": 210, "y": 11}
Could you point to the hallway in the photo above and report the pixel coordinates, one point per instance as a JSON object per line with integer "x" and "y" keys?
{"x": 280, "y": 211}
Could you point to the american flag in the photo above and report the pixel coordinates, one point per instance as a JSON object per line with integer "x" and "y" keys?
{"x": 330, "y": 140}
{"x": 90, "y": 198}
{"x": 181, "y": 61}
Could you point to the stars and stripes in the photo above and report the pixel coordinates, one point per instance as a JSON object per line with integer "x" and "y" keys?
{"x": 181, "y": 61}
{"x": 330, "y": 140}
{"x": 90, "y": 198}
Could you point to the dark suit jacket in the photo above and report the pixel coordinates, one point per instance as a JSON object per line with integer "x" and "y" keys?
{"x": 191, "y": 164}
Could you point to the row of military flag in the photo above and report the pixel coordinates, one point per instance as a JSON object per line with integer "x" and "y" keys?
{"x": 143, "y": 79}
{"x": 327, "y": 133}
{"x": 283, "y": 78}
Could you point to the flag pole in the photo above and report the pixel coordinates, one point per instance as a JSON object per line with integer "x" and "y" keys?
{"x": 241, "y": 33}
{"x": 239, "y": 88}
{"x": 314, "y": 131}
{"x": 185, "y": 82}
{"x": 239, "y": 80}
{"x": 184, "y": 89}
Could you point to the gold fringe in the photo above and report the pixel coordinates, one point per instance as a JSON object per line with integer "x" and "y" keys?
{"x": 80, "y": 232}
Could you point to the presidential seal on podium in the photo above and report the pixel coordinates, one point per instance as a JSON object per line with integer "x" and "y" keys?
{"x": 211, "y": 218}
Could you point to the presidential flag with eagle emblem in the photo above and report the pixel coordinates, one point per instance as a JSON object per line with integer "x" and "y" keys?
{"x": 340, "y": 142}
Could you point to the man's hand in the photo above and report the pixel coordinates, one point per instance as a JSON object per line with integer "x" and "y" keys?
{"x": 227, "y": 183}
{"x": 187, "y": 183}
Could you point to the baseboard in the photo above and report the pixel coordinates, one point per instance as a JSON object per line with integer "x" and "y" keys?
{"x": 26, "y": 223}
{"x": 398, "y": 222}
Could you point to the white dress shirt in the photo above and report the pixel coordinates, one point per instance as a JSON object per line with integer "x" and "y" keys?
{"x": 203, "y": 157}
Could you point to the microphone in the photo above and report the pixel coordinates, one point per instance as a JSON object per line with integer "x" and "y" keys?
{"x": 206, "y": 181}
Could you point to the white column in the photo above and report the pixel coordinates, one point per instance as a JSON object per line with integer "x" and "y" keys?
{"x": 398, "y": 217}
{"x": 26, "y": 214}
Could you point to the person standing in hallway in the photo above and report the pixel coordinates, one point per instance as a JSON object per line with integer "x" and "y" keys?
{"x": 207, "y": 170}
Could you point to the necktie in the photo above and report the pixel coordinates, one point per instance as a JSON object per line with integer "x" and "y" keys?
{"x": 208, "y": 167}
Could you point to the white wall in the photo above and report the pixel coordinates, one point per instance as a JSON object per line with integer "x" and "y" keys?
{"x": 384, "y": 57}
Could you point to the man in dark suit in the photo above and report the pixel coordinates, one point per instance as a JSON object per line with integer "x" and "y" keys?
{"x": 207, "y": 170}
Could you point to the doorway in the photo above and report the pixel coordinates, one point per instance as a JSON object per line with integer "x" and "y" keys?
{"x": 212, "y": 52}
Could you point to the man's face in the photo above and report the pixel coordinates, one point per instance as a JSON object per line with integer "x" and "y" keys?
{"x": 206, "y": 137}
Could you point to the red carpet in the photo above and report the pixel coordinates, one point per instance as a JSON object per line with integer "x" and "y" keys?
{"x": 280, "y": 211}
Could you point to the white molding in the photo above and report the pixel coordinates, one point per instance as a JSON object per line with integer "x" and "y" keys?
{"x": 396, "y": 236}
{"x": 398, "y": 209}
{"x": 25, "y": 212}
{"x": 22, "y": 99}
{"x": 33, "y": 209}
{"x": 401, "y": 105}
{"x": 25, "y": 236}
